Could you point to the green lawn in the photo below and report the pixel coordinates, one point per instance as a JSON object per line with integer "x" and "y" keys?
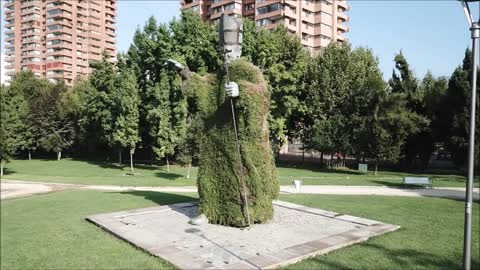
{"x": 103, "y": 173}
{"x": 50, "y": 232}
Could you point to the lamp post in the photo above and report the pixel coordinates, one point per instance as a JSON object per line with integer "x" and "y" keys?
{"x": 467, "y": 236}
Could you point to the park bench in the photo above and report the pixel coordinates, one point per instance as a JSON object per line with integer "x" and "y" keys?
{"x": 417, "y": 181}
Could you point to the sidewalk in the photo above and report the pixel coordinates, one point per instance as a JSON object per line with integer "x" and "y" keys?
{"x": 13, "y": 189}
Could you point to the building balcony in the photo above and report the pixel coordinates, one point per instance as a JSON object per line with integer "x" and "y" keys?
{"x": 59, "y": 53}
{"x": 30, "y": 11}
{"x": 110, "y": 11}
{"x": 64, "y": 60}
{"x": 31, "y": 3}
{"x": 63, "y": 7}
{"x": 110, "y": 19}
{"x": 31, "y": 18}
{"x": 340, "y": 38}
{"x": 60, "y": 45}
{"x": 9, "y": 25}
{"x": 342, "y": 27}
{"x": 110, "y": 4}
{"x": 214, "y": 5}
{"x": 342, "y": 16}
{"x": 343, "y": 5}
{"x": 266, "y": 3}
{"x": 270, "y": 15}
{"x": 111, "y": 26}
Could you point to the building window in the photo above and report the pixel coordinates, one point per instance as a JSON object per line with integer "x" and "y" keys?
{"x": 263, "y": 22}
{"x": 250, "y": 6}
{"x": 269, "y": 8}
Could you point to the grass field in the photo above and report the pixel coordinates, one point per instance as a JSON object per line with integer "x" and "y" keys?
{"x": 103, "y": 173}
{"x": 50, "y": 232}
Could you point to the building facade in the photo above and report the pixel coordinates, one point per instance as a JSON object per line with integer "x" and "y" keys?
{"x": 316, "y": 22}
{"x": 57, "y": 39}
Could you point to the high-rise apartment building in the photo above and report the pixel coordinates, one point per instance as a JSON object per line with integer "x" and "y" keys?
{"x": 57, "y": 39}
{"x": 316, "y": 22}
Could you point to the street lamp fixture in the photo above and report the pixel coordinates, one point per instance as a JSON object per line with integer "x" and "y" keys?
{"x": 467, "y": 236}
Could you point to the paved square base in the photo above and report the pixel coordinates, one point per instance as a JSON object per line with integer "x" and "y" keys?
{"x": 295, "y": 233}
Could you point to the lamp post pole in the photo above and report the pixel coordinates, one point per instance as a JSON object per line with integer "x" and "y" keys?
{"x": 467, "y": 237}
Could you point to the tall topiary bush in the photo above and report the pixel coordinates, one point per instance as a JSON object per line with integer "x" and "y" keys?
{"x": 219, "y": 179}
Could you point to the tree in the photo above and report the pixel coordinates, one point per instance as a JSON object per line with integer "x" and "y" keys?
{"x": 325, "y": 88}
{"x": 100, "y": 103}
{"x": 458, "y": 112}
{"x": 125, "y": 112}
{"x": 418, "y": 144}
{"x": 55, "y": 131}
{"x": 389, "y": 126}
{"x": 189, "y": 151}
{"x": 166, "y": 115}
{"x": 196, "y": 42}
{"x": 283, "y": 60}
{"x": 26, "y": 84}
{"x": 14, "y": 109}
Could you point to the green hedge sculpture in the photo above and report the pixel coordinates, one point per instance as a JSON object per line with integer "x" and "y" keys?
{"x": 219, "y": 180}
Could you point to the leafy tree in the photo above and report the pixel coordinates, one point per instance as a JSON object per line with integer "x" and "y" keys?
{"x": 166, "y": 115}
{"x": 458, "y": 112}
{"x": 196, "y": 42}
{"x": 26, "y": 84}
{"x": 365, "y": 80}
{"x": 125, "y": 110}
{"x": 418, "y": 144}
{"x": 283, "y": 60}
{"x": 189, "y": 150}
{"x": 55, "y": 131}
{"x": 389, "y": 126}
{"x": 73, "y": 106}
{"x": 326, "y": 87}
{"x": 14, "y": 109}
{"x": 99, "y": 119}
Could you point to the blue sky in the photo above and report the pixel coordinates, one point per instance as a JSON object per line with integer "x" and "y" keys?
{"x": 432, "y": 34}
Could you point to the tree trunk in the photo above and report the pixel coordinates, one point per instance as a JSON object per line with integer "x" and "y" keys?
{"x": 376, "y": 166}
{"x": 344, "y": 161}
{"x": 1, "y": 168}
{"x": 59, "y": 155}
{"x": 331, "y": 160}
{"x": 321, "y": 158}
{"x": 303, "y": 153}
{"x": 168, "y": 164}
{"x": 29, "y": 155}
{"x": 188, "y": 171}
{"x": 131, "y": 160}
{"x": 119, "y": 158}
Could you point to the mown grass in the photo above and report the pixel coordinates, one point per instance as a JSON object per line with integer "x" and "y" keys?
{"x": 50, "y": 232}
{"x": 105, "y": 173}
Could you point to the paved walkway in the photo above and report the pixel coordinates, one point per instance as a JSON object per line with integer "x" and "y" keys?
{"x": 13, "y": 189}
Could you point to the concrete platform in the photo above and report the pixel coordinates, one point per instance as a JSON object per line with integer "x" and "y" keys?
{"x": 295, "y": 233}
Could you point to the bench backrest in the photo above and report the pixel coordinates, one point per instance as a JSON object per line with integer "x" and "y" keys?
{"x": 416, "y": 180}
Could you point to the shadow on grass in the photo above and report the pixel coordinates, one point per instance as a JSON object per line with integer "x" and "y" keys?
{"x": 7, "y": 171}
{"x": 390, "y": 184}
{"x": 160, "y": 198}
{"x": 168, "y": 175}
{"x": 402, "y": 258}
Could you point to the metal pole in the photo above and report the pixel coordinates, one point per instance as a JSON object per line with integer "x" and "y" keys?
{"x": 467, "y": 237}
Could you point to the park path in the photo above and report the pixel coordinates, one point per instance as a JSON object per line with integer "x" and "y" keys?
{"x": 14, "y": 189}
